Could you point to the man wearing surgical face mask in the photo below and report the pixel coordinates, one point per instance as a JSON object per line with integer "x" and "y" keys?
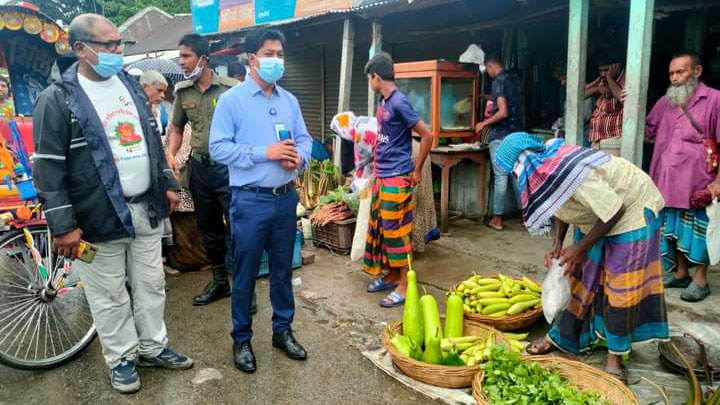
{"x": 259, "y": 132}
{"x": 101, "y": 176}
{"x": 207, "y": 179}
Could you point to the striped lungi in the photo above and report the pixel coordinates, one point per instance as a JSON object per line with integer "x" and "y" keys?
{"x": 390, "y": 228}
{"x": 618, "y": 296}
{"x": 685, "y": 230}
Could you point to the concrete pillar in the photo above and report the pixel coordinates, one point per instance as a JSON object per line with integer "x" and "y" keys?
{"x": 375, "y": 47}
{"x": 576, "y": 70}
{"x": 637, "y": 73}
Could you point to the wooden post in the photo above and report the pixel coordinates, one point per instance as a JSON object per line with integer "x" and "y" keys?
{"x": 637, "y": 72}
{"x": 576, "y": 66}
{"x": 346, "y": 64}
{"x": 375, "y": 47}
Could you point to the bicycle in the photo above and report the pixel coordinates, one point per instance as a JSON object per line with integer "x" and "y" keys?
{"x": 45, "y": 319}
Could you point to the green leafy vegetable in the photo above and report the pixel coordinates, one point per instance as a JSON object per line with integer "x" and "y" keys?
{"x": 508, "y": 380}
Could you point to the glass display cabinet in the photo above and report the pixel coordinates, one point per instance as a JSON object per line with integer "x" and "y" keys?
{"x": 443, "y": 94}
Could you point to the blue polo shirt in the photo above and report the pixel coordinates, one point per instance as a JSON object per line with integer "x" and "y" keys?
{"x": 393, "y": 152}
{"x": 243, "y": 127}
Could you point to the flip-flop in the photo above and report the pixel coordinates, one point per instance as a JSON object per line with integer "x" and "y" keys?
{"x": 392, "y": 300}
{"x": 379, "y": 285}
{"x": 494, "y": 228}
{"x": 537, "y": 347}
{"x": 618, "y": 373}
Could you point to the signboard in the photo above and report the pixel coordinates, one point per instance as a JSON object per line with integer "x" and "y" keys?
{"x": 205, "y": 15}
{"x": 235, "y": 14}
{"x": 29, "y": 61}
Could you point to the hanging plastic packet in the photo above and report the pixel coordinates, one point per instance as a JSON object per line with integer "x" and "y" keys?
{"x": 555, "y": 291}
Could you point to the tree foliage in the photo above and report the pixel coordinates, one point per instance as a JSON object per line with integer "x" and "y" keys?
{"x": 65, "y": 10}
{"x": 118, "y": 11}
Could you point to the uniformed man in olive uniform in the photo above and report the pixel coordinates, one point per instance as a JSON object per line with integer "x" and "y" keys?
{"x": 195, "y": 102}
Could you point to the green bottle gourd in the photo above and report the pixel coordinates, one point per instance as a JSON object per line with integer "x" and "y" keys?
{"x": 412, "y": 316}
{"x": 454, "y": 317}
{"x": 431, "y": 317}
{"x": 433, "y": 353}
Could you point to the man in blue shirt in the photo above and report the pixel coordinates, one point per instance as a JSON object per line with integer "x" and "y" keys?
{"x": 389, "y": 246}
{"x": 258, "y": 131}
{"x": 504, "y": 121}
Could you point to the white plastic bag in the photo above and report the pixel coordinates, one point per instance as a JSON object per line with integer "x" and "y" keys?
{"x": 555, "y": 291}
{"x": 363, "y": 218}
{"x": 713, "y": 232}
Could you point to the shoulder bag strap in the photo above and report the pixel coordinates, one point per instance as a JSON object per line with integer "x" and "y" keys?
{"x": 694, "y": 123}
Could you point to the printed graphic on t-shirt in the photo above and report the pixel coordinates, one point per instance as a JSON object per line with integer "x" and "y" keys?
{"x": 385, "y": 116}
{"x": 122, "y": 126}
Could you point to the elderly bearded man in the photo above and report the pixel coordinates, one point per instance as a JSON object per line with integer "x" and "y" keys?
{"x": 684, "y": 124}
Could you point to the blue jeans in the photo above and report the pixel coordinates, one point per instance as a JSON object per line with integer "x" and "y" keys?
{"x": 500, "y": 188}
{"x": 262, "y": 221}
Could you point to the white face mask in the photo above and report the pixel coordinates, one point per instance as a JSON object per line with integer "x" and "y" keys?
{"x": 196, "y": 73}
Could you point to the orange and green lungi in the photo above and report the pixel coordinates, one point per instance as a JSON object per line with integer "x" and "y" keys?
{"x": 390, "y": 228}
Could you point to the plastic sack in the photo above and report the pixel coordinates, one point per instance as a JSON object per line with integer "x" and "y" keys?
{"x": 363, "y": 219}
{"x": 713, "y": 232}
{"x": 555, "y": 291}
{"x": 362, "y": 131}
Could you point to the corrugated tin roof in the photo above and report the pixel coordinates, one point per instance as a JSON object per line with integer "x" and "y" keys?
{"x": 163, "y": 38}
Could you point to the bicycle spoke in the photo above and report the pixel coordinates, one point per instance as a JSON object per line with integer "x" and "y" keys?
{"x": 24, "y": 295}
{"x": 16, "y": 306}
{"x": 61, "y": 330}
{"x": 25, "y": 282}
{"x": 17, "y": 322}
{"x": 13, "y": 285}
{"x": 24, "y": 330}
{"x": 35, "y": 331}
{"x": 47, "y": 333}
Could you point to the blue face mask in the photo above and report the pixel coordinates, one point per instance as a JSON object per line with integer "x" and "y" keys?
{"x": 109, "y": 64}
{"x": 271, "y": 69}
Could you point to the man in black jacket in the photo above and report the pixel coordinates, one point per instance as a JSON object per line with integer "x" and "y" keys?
{"x": 101, "y": 176}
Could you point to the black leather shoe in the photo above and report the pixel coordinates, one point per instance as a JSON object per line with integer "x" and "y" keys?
{"x": 244, "y": 357}
{"x": 213, "y": 292}
{"x": 253, "y": 304}
{"x": 286, "y": 342}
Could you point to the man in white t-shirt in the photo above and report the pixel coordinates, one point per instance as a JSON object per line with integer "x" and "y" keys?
{"x": 101, "y": 176}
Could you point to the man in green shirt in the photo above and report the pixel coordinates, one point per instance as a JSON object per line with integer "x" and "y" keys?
{"x": 195, "y": 102}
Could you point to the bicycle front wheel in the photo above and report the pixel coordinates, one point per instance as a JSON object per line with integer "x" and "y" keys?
{"x": 45, "y": 319}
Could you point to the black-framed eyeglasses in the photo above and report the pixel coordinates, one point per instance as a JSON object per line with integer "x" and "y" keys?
{"x": 109, "y": 45}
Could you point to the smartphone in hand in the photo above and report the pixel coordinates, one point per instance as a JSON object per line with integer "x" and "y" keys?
{"x": 284, "y": 135}
{"x": 86, "y": 252}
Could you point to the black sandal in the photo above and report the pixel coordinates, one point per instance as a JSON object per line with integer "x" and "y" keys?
{"x": 618, "y": 373}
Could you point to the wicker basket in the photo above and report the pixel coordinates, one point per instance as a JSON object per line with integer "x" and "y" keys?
{"x": 579, "y": 374}
{"x": 433, "y": 374}
{"x": 508, "y": 323}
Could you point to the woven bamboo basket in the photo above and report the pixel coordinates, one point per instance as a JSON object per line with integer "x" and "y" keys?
{"x": 433, "y": 374}
{"x": 582, "y": 376}
{"x": 509, "y": 323}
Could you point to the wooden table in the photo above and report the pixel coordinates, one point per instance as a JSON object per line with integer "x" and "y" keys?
{"x": 446, "y": 158}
